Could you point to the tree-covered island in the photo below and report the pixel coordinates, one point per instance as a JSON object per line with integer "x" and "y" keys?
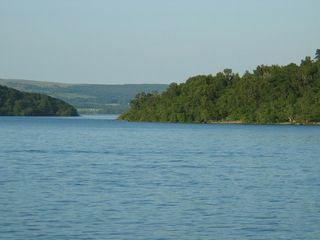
{"x": 16, "y": 103}
{"x": 270, "y": 94}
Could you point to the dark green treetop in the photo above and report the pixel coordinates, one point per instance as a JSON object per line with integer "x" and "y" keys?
{"x": 317, "y": 57}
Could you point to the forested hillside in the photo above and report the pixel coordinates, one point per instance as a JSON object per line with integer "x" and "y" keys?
{"x": 87, "y": 98}
{"x": 16, "y": 103}
{"x": 269, "y": 94}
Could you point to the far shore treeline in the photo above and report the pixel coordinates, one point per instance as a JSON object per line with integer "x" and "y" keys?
{"x": 17, "y": 103}
{"x": 269, "y": 94}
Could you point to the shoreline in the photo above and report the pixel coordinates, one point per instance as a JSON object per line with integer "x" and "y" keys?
{"x": 279, "y": 123}
{"x": 230, "y": 123}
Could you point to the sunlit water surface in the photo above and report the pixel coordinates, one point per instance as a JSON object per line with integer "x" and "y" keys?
{"x": 97, "y": 178}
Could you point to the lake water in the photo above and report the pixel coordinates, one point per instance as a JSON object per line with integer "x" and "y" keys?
{"x": 97, "y": 178}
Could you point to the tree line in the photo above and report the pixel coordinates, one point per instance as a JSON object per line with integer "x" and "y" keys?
{"x": 269, "y": 94}
{"x": 16, "y": 103}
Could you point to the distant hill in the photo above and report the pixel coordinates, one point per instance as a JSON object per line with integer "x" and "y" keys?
{"x": 17, "y": 103}
{"x": 87, "y": 98}
{"x": 270, "y": 94}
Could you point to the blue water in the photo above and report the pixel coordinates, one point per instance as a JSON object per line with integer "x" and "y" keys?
{"x": 97, "y": 178}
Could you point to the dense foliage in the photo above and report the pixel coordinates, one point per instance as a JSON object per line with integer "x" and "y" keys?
{"x": 270, "y": 94}
{"x": 16, "y": 103}
{"x": 87, "y": 98}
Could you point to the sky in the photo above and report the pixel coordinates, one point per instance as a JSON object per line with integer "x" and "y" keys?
{"x": 151, "y": 41}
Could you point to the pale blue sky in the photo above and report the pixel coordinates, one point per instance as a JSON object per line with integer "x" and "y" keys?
{"x": 151, "y": 41}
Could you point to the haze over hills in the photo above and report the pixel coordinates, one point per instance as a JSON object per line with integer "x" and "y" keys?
{"x": 87, "y": 98}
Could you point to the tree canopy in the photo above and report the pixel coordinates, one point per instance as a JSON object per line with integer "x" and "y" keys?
{"x": 16, "y": 103}
{"x": 269, "y": 94}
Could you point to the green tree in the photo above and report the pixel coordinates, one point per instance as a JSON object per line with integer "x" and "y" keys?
{"x": 317, "y": 57}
